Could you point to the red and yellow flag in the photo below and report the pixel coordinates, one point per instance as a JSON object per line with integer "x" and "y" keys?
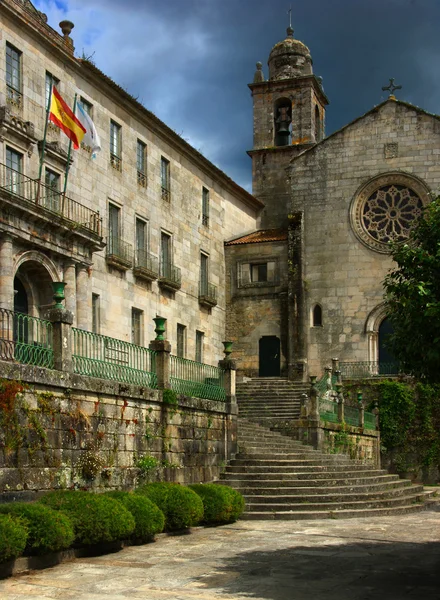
{"x": 61, "y": 115}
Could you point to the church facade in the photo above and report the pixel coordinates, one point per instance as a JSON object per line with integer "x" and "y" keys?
{"x": 307, "y": 286}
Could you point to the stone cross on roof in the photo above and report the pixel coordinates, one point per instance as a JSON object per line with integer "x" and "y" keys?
{"x": 391, "y": 88}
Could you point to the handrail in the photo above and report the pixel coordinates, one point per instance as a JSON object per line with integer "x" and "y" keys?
{"x": 192, "y": 378}
{"x": 50, "y": 199}
{"x": 25, "y": 339}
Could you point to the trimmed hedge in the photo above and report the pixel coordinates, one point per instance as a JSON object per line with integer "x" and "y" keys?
{"x": 96, "y": 518}
{"x": 13, "y": 537}
{"x": 181, "y": 506}
{"x": 221, "y": 503}
{"x": 148, "y": 517}
{"x": 48, "y": 530}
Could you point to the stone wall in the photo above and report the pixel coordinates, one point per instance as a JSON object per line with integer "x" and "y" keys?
{"x": 69, "y": 431}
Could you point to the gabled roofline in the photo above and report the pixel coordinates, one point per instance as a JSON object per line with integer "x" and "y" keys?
{"x": 371, "y": 111}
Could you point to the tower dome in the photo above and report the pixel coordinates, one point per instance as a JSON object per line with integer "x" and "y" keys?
{"x": 289, "y": 58}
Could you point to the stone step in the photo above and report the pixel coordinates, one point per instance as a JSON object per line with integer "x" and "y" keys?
{"x": 316, "y": 471}
{"x": 332, "y": 514}
{"x": 293, "y": 462}
{"x": 343, "y": 505}
{"x": 324, "y": 490}
{"x": 300, "y": 482}
{"x": 306, "y": 475}
{"x": 335, "y": 496}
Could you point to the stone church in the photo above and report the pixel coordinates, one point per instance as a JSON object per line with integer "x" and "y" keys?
{"x": 306, "y": 285}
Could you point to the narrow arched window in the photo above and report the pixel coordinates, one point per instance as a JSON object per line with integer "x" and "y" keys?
{"x": 317, "y": 316}
{"x": 318, "y": 128}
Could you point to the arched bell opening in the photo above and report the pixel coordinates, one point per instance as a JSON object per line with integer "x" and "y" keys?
{"x": 283, "y": 122}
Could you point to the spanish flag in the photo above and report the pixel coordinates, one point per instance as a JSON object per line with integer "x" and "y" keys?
{"x": 63, "y": 117}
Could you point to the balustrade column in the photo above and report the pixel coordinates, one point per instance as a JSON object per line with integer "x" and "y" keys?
{"x": 6, "y": 273}
{"x": 83, "y": 299}
{"x": 70, "y": 292}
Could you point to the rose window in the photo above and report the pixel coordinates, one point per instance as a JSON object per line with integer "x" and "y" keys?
{"x": 389, "y": 212}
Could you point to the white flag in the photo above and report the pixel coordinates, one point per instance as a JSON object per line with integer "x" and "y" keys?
{"x": 91, "y": 137}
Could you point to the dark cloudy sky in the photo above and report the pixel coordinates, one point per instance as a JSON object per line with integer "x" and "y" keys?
{"x": 189, "y": 61}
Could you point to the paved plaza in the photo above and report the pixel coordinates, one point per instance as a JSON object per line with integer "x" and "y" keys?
{"x": 392, "y": 558}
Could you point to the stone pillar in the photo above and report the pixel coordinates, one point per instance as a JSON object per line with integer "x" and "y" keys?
{"x": 361, "y": 410}
{"x": 70, "y": 290}
{"x": 6, "y": 272}
{"x": 341, "y": 416}
{"x": 83, "y": 299}
{"x": 162, "y": 360}
{"x": 62, "y": 320}
{"x": 230, "y": 369}
{"x": 314, "y": 405}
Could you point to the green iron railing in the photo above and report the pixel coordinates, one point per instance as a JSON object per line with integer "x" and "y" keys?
{"x": 369, "y": 420}
{"x": 351, "y": 415}
{"x": 25, "y": 339}
{"x": 328, "y": 410}
{"x": 367, "y": 369}
{"x": 15, "y": 183}
{"x": 108, "y": 358}
{"x": 196, "y": 379}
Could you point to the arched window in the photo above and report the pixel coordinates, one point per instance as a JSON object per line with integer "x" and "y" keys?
{"x": 283, "y": 122}
{"x": 317, "y": 316}
{"x": 318, "y": 128}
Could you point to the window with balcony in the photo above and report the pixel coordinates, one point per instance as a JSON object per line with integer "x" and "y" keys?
{"x": 96, "y": 313}
{"x": 50, "y": 80}
{"x": 14, "y": 169}
{"x": 205, "y": 207}
{"x": 146, "y": 265}
{"x": 51, "y": 195}
{"x": 115, "y": 146}
{"x": 141, "y": 163}
{"x": 181, "y": 341}
{"x": 165, "y": 179}
{"x": 137, "y": 334}
{"x": 119, "y": 253}
{"x": 13, "y": 76}
{"x": 170, "y": 276}
{"x": 199, "y": 346}
{"x": 207, "y": 291}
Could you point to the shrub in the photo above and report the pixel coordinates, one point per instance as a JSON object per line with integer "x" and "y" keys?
{"x": 48, "y": 530}
{"x": 148, "y": 517}
{"x": 13, "y": 536}
{"x": 221, "y": 504}
{"x": 181, "y": 506}
{"x": 96, "y": 518}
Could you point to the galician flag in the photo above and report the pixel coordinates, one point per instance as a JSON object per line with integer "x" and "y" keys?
{"x": 91, "y": 137}
{"x": 62, "y": 116}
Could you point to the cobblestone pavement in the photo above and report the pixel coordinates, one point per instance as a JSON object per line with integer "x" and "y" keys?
{"x": 392, "y": 558}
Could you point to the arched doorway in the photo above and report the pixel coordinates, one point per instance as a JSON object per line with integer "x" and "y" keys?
{"x": 269, "y": 356}
{"x": 387, "y": 362}
{"x": 33, "y": 292}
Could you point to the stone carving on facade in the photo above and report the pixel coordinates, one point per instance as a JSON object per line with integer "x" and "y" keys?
{"x": 14, "y": 127}
{"x": 385, "y": 209}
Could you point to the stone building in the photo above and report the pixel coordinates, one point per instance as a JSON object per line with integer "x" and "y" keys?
{"x": 140, "y": 230}
{"x": 306, "y": 286}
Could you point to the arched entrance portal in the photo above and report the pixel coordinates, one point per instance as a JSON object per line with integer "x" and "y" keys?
{"x": 33, "y": 293}
{"x": 387, "y": 361}
{"x": 269, "y": 356}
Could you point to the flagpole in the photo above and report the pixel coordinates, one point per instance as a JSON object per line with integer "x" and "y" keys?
{"x": 43, "y": 147}
{"x": 68, "y": 155}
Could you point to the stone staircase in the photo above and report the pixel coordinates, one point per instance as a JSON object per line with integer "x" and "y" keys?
{"x": 269, "y": 399}
{"x": 281, "y": 478}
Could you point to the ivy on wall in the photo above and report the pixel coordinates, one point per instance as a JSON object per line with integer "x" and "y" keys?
{"x": 409, "y": 416}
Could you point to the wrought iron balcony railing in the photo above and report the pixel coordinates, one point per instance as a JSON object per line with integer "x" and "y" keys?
{"x": 119, "y": 254}
{"x": 146, "y": 265}
{"x": 16, "y": 184}
{"x": 25, "y": 339}
{"x": 170, "y": 277}
{"x": 207, "y": 294}
{"x": 367, "y": 369}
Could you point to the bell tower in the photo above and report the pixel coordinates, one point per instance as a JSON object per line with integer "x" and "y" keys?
{"x": 289, "y": 117}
